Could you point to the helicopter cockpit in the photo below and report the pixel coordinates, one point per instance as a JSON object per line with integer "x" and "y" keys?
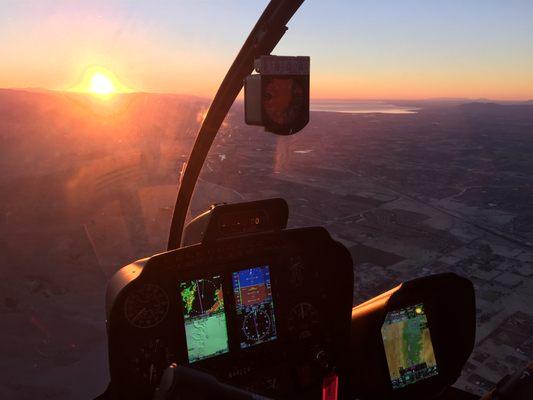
{"x": 240, "y": 306}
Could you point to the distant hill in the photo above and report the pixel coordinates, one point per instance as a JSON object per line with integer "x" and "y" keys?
{"x": 139, "y": 108}
{"x": 490, "y": 106}
{"x": 42, "y": 130}
{"x": 64, "y": 115}
{"x": 506, "y": 113}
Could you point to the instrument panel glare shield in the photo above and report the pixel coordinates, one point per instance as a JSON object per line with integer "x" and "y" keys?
{"x": 255, "y": 307}
{"x": 408, "y": 346}
{"x": 205, "y": 318}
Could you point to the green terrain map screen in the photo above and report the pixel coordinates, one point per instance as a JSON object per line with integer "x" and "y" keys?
{"x": 206, "y": 331}
{"x": 408, "y": 346}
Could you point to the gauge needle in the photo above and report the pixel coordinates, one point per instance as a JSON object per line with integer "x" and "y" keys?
{"x": 151, "y": 372}
{"x": 138, "y": 314}
{"x": 255, "y": 323}
{"x": 200, "y": 296}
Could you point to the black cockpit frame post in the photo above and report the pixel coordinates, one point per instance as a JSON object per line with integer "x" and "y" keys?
{"x": 265, "y": 35}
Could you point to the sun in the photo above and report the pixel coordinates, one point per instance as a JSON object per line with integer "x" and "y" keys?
{"x": 101, "y": 84}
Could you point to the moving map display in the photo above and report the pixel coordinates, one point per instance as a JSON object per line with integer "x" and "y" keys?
{"x": 408, "y": 346}
{"x": 205, "y": 320}
{"x": 255, "y": 308}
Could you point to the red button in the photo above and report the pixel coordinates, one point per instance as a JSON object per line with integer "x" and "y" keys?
{"x": 330, "y": 387}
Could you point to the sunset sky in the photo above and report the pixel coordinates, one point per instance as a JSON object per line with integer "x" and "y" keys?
{"x": 379, "y": 49}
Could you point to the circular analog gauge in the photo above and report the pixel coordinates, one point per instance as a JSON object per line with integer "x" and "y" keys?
{"x": 283, "y": 100}
{"x": 146, "y": 306}
{"x": 256, "y": 325}
{"x": 296, "y": 271}
{"x": 302, "y": 317}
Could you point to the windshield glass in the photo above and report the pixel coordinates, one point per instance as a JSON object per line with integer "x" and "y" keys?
{"x": 417, "y": 157}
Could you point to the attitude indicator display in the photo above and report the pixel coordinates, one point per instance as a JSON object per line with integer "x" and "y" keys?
{"x": 206, "y": 331}
{"x": 254, "y": 305}
{"x": 408, "y": 346}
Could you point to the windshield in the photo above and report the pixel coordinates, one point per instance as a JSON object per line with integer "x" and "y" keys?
{"x": 417, "y": 157}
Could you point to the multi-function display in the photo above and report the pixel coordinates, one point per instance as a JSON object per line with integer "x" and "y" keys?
{"x": 206, "y": 331}
{"x": 408, "y": 346}
{"x": 205, "y": 318}
{"x": 254, "y": 305}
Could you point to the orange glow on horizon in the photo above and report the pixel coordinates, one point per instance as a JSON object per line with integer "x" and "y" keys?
{"x": 100, "y": 82}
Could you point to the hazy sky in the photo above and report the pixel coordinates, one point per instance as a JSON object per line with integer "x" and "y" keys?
{"x": 358, "y": 49}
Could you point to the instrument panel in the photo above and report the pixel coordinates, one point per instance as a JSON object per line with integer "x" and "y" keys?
{"x": 269, "y": 312}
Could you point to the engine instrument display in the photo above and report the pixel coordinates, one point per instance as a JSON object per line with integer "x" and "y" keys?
{"x": 408, "y": 346}
{"x": 254, "y": 304}
{"x": 206, "y": 331}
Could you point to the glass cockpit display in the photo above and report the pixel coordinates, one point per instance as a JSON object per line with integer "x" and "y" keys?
{"x": 206, "y": 331}
{"x": 408, "y": 346}
{"x": 254, "y": 305}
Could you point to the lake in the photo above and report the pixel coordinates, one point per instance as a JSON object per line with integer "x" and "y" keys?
{"x": 360, "y": 107}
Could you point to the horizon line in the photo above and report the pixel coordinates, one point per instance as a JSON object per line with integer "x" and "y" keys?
{"x": 341, "y": 99}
